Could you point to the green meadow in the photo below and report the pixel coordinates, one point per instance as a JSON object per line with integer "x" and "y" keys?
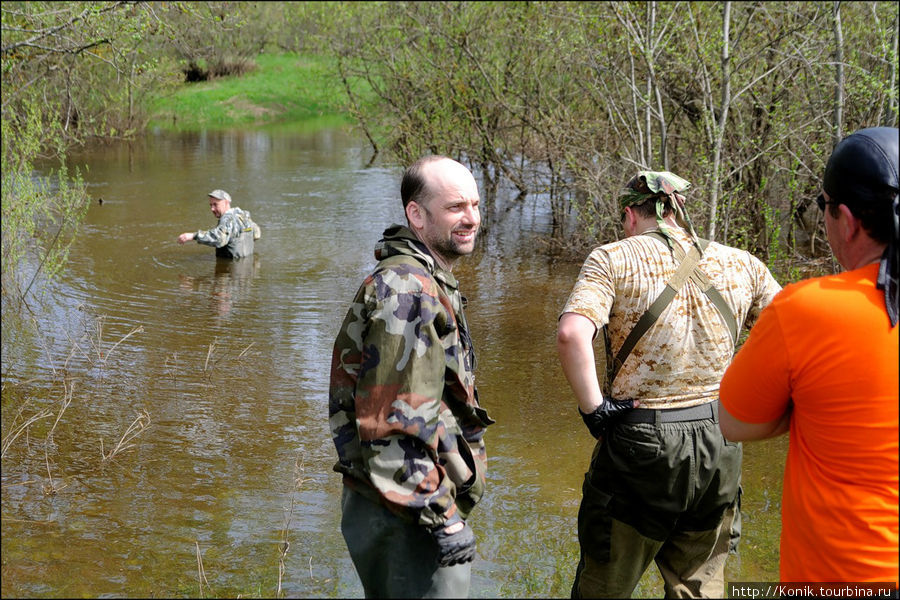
{"x": 297, "y": 92}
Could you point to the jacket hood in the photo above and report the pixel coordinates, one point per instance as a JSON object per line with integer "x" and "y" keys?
{"x": 399, "y": 240}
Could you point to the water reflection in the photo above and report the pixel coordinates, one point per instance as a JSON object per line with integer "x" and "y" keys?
{"x": 229, "y": 282}
{"x": 231, "y": 363}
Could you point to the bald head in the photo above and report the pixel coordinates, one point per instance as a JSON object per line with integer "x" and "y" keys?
{"x": 440, "y": 199}
{"x": 424, "y": 178}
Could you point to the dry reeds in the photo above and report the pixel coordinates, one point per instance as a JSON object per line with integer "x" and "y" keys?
{"x": 173, "y": 368}
{"x": 17, "y": 430}
{"x": 201, "y": 573}
{"x": 283, "y": 548}
{"x": 210, "y": 354}
{"x": 285, "y": 544}
{"x": 50, "y": 488}
{"x": 96, "y": 356}
{"x": 96, "y": 341}
{"x": 140, "y": 423}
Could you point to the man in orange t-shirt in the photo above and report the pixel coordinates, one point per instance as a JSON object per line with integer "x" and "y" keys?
{"x": 821, "y": 361}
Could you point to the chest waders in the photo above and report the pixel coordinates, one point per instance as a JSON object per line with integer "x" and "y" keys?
{"x": 242, "y": 245}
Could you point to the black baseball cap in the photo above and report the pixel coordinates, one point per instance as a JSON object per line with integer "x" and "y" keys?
{"x": 863, "y": 170}
{"x": 863, "y": 165}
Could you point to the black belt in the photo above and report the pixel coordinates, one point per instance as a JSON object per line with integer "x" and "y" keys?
{"x": 671, "y": 415}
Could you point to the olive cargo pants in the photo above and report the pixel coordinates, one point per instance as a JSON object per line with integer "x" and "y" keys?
{"x": 663, "y": 491}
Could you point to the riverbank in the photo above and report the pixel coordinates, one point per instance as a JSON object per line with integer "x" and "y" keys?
{"x": 288, "y": 91}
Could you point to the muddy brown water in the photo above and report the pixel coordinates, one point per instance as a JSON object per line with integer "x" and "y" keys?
{"x": 224, "y": 486}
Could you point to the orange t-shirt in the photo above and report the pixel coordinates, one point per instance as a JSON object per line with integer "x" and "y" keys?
{"x": 826, "y": 345}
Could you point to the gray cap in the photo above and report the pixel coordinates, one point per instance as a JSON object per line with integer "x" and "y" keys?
{"x": 220, "y": 195}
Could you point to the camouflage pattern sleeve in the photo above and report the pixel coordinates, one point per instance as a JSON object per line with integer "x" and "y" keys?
{"x": 221, "y": 234}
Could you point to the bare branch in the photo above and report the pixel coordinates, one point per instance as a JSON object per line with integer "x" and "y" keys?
{"x": 40, "y": 35}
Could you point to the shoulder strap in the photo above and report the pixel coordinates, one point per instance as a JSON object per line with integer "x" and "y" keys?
{"x": 686, "y": 270}
{"x": 702, "y": 280}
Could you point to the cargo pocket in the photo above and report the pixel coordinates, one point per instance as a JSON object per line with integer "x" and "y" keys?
{"x": 594, "y": 522}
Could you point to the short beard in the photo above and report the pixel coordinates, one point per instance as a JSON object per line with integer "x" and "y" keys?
{"x": 448, "y": 248}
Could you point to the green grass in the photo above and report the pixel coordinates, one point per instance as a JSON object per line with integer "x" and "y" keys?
{"x": 299, "y": 91}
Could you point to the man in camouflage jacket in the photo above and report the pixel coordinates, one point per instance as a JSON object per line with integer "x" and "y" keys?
{"x": 235, "y": 233}
{"x": 403, "y": 408}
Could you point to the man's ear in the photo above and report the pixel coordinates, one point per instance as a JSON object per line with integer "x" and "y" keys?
{"x": 629, "y": 219}
{"x": 415, "y": 214}
{"x": 849, "y": 225}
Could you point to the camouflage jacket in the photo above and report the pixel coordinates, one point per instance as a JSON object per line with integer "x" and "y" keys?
{"x": 403, "y": 408}
{"x": 233, "y": 237}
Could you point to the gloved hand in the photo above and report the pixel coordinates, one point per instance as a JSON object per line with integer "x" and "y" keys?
{"x": 599, "y": 421}
{"x": 455, "y": 541}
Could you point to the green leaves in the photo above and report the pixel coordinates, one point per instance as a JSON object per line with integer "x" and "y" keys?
{"x": 40, "y": 216}
{"x": 569, "y": 99}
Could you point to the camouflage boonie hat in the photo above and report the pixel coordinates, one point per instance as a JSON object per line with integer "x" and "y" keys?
{"x": 663, "y": 186}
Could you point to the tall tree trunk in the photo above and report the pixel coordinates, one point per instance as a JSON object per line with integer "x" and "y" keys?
{"x": 648, "y": 49}
{"x": 891, "y": 120}
{"x": 641, "y": 143}
{"x": 131, "y": 97}
{"x": 723, "y": 119}
{"x": 648, "y": 151}
{"x": 837, "y": 125}
{"x": 663, "y": 131}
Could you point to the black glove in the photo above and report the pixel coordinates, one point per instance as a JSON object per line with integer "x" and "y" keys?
{"x": 454, "y": 548}
{"x": 599, "y": 421}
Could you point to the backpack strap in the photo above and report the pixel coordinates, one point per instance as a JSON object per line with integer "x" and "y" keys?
{"x": 688, "y": 269}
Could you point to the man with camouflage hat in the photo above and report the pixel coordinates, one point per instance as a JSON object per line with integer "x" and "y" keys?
{"x": 663, "y": 484}
{"x": 822, "y": 364}
{"x": 233, "y": 237}
{"x": 403, "y": 407}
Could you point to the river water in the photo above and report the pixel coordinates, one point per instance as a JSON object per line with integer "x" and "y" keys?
{"x": 178, "y": 443}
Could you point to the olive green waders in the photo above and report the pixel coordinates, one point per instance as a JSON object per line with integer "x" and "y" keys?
{"x": 395, "y": 558}
{"x": 239, "y": 246}
{"x": 668, "y": 491}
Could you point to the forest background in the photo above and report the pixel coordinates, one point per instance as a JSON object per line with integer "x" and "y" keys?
{"x": 562, "y": 99}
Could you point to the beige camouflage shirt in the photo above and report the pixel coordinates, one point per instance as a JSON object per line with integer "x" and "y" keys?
{"x": 681, "y": 359}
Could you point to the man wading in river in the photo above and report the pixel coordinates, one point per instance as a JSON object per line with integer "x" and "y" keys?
{"x": 233, "y": 237}
{"x": 403, "y": 409}
{"x": 663, "y": 483}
